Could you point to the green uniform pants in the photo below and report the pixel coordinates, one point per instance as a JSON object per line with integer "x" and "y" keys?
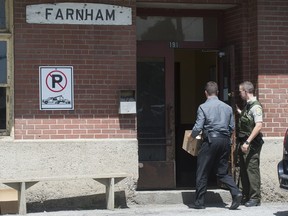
{"x": 250, "y": 181}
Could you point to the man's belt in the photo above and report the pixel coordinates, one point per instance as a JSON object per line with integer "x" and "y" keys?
{"x": 214, "y": 134}
{"x": 217, "y": 135}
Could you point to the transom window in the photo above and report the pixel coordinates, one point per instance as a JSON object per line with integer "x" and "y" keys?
{"x": 164, "y": 28}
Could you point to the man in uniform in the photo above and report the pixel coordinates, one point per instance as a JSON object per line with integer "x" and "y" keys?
{"x": 249, "y": 139}
{"x": 216, "y": 122}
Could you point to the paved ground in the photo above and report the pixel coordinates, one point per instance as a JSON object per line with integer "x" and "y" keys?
{"x": 266, "y": 209}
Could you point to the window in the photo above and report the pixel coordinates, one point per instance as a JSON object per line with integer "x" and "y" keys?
{"x": 2, "y": 14}
{"x": 6, "y": 66}
{"x": 164, "y": 28}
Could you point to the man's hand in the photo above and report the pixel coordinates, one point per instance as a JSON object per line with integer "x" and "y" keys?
{"x": 245, "y": 148}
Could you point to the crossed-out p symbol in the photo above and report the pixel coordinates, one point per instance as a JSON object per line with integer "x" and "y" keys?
{"x": 56, "y": 81}
{"x": 56, "y": 78}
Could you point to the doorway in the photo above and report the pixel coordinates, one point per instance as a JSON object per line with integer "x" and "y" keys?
{"x": 170, "y": 87}
{"x": 193, "y": 68}
{"x": 182, "y": 47}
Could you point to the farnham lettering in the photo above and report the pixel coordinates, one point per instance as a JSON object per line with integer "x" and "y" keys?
{"x": 79, "y": 14}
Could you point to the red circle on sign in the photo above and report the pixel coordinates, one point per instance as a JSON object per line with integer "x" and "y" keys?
{"x": 62, "y": 87}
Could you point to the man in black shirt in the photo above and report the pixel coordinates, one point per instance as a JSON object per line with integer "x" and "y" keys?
{"x": 216, "y": 122}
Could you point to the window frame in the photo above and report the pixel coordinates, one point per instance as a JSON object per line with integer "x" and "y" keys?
{"x": 6, "y": 35}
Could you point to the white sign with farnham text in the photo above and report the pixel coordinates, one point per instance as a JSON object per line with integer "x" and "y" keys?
{"x": 78, "y": 14}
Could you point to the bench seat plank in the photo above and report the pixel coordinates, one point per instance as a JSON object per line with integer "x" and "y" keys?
{"x": 61, "y": 178}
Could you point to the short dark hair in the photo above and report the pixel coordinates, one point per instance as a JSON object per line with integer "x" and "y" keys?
{"x": 211, "y": 88}
{"x": 247, "y": 86}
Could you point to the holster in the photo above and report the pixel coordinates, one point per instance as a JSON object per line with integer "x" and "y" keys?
{"x": 256, "y": 143}
{"x": 259, "y": 139}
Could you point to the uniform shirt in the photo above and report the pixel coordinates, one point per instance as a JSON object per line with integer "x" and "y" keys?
{"x": 256, "y": 111}
{"x": 214, "y": 116}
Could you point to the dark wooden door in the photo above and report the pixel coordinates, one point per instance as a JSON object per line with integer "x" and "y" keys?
{"x": 155, "y": 115}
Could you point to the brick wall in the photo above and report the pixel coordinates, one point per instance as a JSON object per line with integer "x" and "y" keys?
{"x": 272, "y": 62}
{"x": 104, "y": 61}
{"x": 259, "y": 32}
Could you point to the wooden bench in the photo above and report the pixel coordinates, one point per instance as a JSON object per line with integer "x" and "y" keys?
{"x": 109, "y": 180}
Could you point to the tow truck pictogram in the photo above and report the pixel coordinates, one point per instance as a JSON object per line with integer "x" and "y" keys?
{"x": 56, "y": 100}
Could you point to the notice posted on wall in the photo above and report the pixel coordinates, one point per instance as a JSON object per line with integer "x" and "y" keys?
{"x": 56, "y": 88}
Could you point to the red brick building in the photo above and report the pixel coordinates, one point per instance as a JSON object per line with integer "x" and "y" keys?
{"x": 162, "y": 52}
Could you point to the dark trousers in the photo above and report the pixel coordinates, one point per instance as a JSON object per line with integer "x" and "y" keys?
{"x": 213, "y": 155}
{"x": 250, "y": 181}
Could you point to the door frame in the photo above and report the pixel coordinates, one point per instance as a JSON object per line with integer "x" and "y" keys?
{"x": 227, "y": 72}
{"x": 162, "y": 49}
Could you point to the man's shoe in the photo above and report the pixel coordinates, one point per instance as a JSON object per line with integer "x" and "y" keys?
{"x": 236, "y": 200}
{"x": 243, "y": 201}
{"x": 253, "y": 202}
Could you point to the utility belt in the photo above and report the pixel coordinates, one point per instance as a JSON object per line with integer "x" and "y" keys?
{"x": 209, "y": 136}
{"x": 257, "y": 140}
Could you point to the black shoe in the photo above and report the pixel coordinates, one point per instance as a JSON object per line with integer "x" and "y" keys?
{"x": 253, "y": 202}
{"x": 197, "y": 206}
{"x": 236, "y": 201}
{"x": 244, "y": 200}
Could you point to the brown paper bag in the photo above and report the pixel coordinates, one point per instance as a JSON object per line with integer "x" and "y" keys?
{"x": 191, "y": 145}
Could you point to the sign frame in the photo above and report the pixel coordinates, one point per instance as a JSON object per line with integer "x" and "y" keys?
{"x": 56, "y": 88}
{"x": 78, "y": 14}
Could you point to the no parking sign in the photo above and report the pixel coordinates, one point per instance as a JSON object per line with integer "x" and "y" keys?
{"x": 56, "y": 88}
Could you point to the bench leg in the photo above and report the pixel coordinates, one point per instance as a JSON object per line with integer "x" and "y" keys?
{"x": 110, "y": 197}
{"x": 22, "y": 199}
{"x": 21, "y": 188}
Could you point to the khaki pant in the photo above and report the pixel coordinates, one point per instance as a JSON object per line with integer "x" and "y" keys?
{"x": 250, "y": 180}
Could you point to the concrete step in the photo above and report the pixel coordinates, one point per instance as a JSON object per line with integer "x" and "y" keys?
{"x": 180, "y": 197}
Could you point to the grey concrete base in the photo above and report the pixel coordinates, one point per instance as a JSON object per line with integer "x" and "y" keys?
{"x": 56, "y": 158}
{"x": 271, "y": 154}
{"x": 24, "y": 159}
